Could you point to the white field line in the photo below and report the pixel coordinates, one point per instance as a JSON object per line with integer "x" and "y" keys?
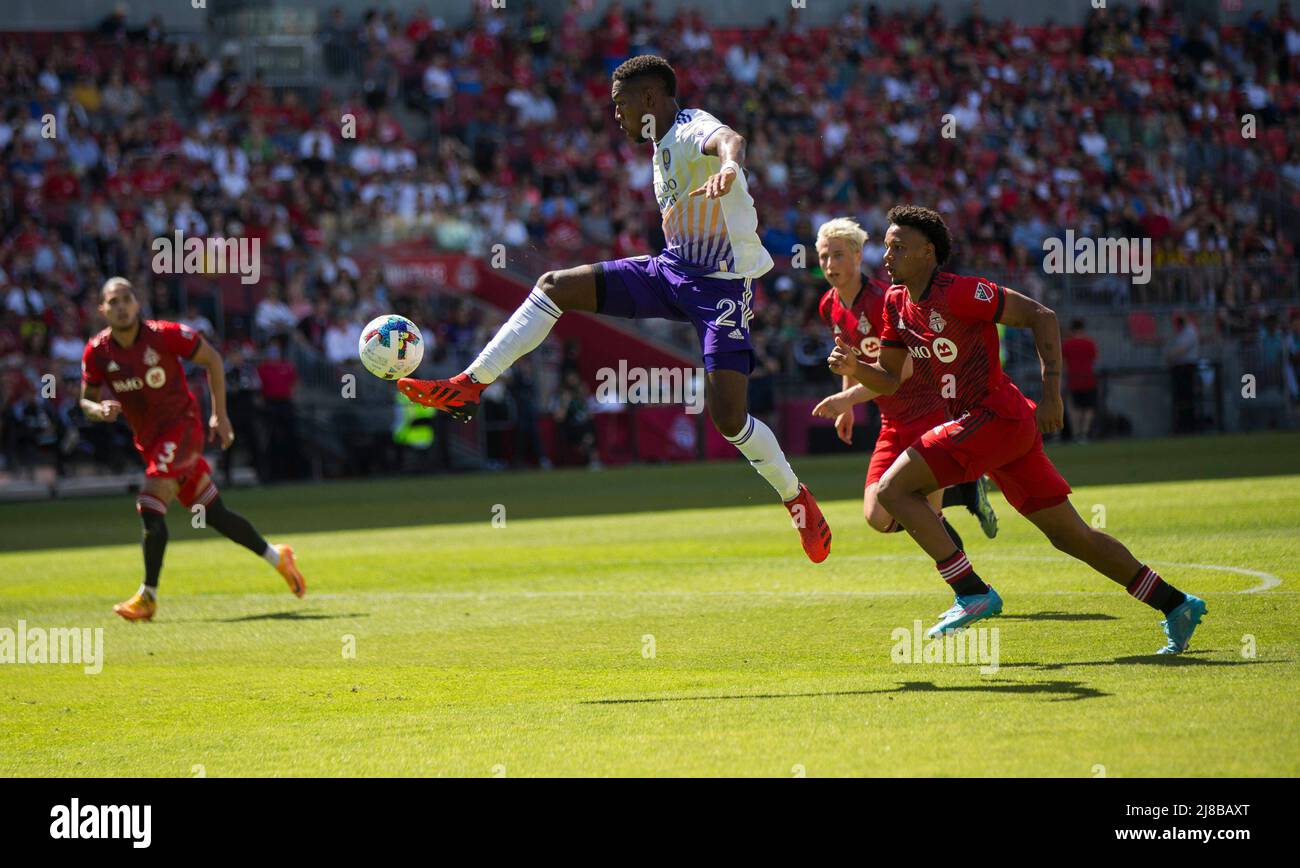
{"x": 1267, "y": 582}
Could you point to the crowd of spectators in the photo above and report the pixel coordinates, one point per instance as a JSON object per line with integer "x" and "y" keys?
{"x": 1142, "y": 123}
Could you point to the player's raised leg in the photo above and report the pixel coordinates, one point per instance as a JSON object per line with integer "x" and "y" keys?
{"x": 728, "y": 402}
{"x": 555, "y": 293}
{"x": 234, "y": 527}
{"x": 1067, "y": 530}
{"x": 152, "y": 503}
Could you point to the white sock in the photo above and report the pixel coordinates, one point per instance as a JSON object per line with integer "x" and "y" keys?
{"x": 272, "y": 555}
{"x": 147, "y": 592}
{"x": 757, "y": 443}
{"x": 527, "y": 327}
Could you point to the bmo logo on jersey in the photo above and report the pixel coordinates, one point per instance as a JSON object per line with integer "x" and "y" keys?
{"x": 130, "y": 384}
{"x": 869, "y": 347}
{"x": 943, "y": 349}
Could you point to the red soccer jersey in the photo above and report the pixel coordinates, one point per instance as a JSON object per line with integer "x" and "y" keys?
{"x": 860, "y": 327}
{"x": 146, "y": 377}
{"x": 953, "y": 340}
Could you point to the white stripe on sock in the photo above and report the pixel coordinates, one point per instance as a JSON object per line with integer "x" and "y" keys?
{"x": 757, "y": 443}
{"x": 527, "y": 327}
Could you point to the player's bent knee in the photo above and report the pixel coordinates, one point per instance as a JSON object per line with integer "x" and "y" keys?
{"x": 888, "y": 491}
{"x": 546, "y": 284}
{"x": 729, "y": 422}
{"x": 571, "y": 289}
{"x": 879, "y": 519}
{"x": 161, "y": 488}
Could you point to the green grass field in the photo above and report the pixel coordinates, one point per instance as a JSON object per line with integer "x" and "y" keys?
{"x": 526, "y": 649}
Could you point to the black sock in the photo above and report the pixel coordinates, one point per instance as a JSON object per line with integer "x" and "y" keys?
{"x": 953, "y": 496}
{"x": 154, "y": 543}
{"x": 952, "y": 532}
{"x": 960, "y": 575}
{"x": 235, "y": 527}
{"x": 1148, "y": 587}
{"x": 970, "y": 492}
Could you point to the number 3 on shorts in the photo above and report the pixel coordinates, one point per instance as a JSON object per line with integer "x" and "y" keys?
{"x": 166, "y": 456}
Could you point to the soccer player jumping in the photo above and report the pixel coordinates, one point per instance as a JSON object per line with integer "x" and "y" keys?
{"x": 704, "y": 276}
{"x": 139, "y": 361}
{"x": 946, "y": 323}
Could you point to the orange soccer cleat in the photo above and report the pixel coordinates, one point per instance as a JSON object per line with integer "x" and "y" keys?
{"x": 289, "y": 569}
{"x": 138, "y": 608}
{"x": 458, "y": 397}
{"x": 814, "y": 532}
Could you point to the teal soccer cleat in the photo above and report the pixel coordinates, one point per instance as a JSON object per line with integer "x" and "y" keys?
{"x": 1181, "y": 623}
{"x": 966, "y": 611}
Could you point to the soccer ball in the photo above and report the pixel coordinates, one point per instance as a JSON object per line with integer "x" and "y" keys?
{"x": 391, "y": 347}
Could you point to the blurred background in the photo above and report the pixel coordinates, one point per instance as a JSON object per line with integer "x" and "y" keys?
{"x": 433, "y": 159}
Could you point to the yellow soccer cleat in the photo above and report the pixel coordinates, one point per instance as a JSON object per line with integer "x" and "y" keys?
{"x": 138, "y": 608}
{"x": 289, "y": 569}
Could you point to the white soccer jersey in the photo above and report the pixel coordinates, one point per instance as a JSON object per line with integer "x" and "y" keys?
{"x": 719, "y": 234}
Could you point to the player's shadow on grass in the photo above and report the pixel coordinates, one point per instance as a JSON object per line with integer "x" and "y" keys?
{"x": 287, "y": 616}
{"x": 1059, "y": 616}
{"x": 1066, "y": 690}
{"x": 1187, "y": 658}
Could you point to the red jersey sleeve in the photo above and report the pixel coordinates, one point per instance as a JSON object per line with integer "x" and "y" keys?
{"x": 179, "y": 339}
{"x": 889, "y": 336}
{"x": 976, "y": 298}
{"x": 91, "y": 375}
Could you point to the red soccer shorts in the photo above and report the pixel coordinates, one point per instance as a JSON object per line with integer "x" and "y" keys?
{"x": 177, "y": 453}
{"x": 1008, "y": 450}
{"x": 894, "y": 440}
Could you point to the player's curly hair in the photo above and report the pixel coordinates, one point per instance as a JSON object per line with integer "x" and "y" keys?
{"x": 646, "y": 65}
{"x": 928, "y": 223}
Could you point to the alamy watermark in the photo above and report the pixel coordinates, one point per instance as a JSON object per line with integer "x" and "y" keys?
{"x": 53, "y": 645}
{"x": 969, "y": 646}
{"x": 75, "y": 820}
{"x": 652, "y": 386}
{"x": 1073, "y": 255}
{"x": 194, "y": 255}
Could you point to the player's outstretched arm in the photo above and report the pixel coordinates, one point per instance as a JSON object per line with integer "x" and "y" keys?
{"x": 728, "y": 146}
{"x": 1020, "y": 311}
{"x": 883, "y": 378}
{"x": 219, "y": 425}
{"x": 839, "y": 407}
{"x": 96, "y": 410}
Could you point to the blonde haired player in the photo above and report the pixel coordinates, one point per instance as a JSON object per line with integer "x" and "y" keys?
{"x": 853, "y": 308}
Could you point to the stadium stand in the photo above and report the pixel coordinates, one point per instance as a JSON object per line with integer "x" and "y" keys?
{"x": 497, "y": 131}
